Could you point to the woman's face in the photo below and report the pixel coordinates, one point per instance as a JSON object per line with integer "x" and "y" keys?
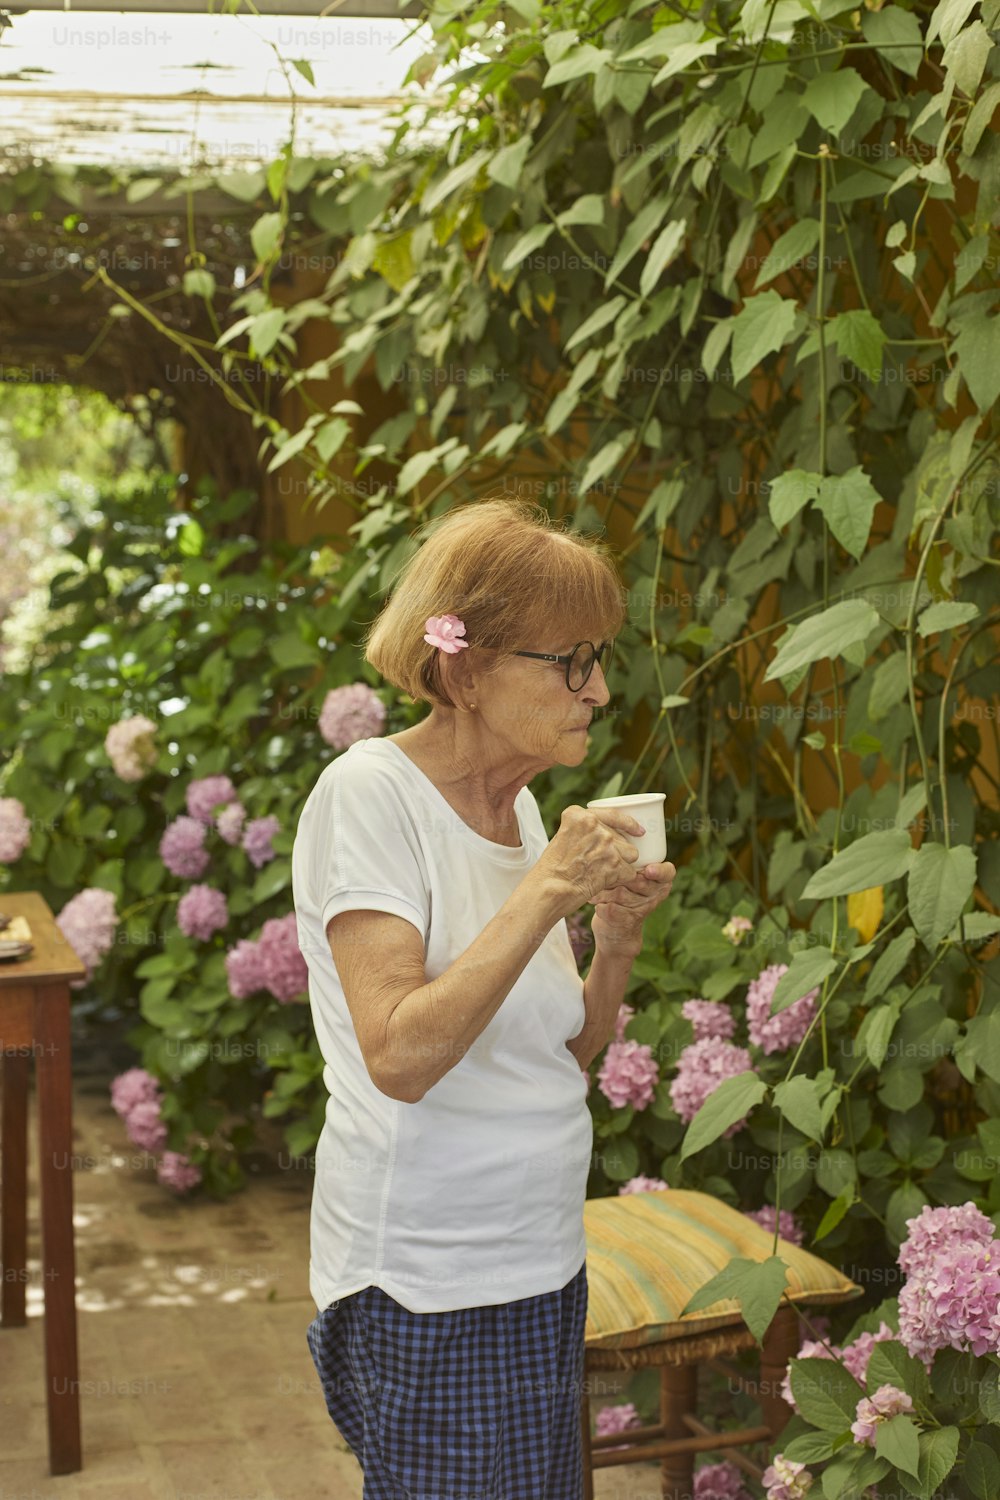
{"x": 528, "y": 707}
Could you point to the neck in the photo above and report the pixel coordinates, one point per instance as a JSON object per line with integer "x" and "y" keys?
{"x": 482, "y": 772}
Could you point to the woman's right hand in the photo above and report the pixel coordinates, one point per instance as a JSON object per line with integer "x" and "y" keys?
{"x": 592, "y": 852}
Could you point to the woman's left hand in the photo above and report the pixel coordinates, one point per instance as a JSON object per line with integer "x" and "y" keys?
{"x": 619, "y": 914}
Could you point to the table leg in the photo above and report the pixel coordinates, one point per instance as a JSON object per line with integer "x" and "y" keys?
{"x": 14, "y": 1191}
{"x": 55, "y": 1129}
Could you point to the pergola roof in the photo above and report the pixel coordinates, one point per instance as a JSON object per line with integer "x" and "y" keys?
{"x": 158, "y": 86}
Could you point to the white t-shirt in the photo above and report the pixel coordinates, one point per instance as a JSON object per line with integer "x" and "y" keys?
{"x": 473, "y": 1195}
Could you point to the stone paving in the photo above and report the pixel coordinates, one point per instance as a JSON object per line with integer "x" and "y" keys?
{"x": 196, "y": 1379}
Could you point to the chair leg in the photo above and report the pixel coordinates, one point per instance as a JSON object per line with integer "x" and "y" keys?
{"x": 678, "y": 1396}
{"x": 781, "y": 1343}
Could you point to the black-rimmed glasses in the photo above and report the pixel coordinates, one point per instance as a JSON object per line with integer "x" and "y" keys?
{"x": 580, "y": 662}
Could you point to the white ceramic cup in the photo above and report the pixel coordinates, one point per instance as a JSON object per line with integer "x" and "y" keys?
{"x": 648, "y": 809}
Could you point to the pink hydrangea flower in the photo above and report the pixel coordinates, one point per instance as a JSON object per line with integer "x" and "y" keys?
{"x": 629, "y": 1074}
{"x": 580, "y": 937}
{"x": 205, "y": 795}
{"x": 624, "y": 1016}
{"x": 789, "y": 1227}
{"x": 857, "y": 1354}
{"x": 737, "y": 928}
{"x": 937, "y": 1229}
{"x": 644, "y": 1185}
{"x": 700, "y": 1069}
{"x": 182, "y": 848}
{"x": 444, "y": 631}
{"x": 134, "y": 1086}
{"x": 229, "y": 823}
{"x": 285, "y": 971}
{"x": 129, "y": 747}
{"x": 789, "y": 1026}
{"x": 202, "y": 911}
{"x": 349, "y": 713}
{"x": 721, "y": 1481}
{"x": 709, "y": 1018}
{"x": 257, "y": 838}
{"x": 177, "y": 1172}
{"x": 15, "y": 830}
{"x": 88, "y": 922}
{"x": 808, "y": 1349}
{"x": 888, "y": 1401}
{"x": 953, "y": 1302}
{"x": 144, "y": 1126}
{"x": 616, "y": 1419}
{"x": 245, "y": 969}
{"x": 784, "y": 1479}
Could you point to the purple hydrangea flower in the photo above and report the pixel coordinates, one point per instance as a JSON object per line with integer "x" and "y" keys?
{"x": 700, "y": 1069}
{"x": 789, "y": 1227}
{"x": 245, "y": 969}
{"x": 710, "y": 1019}
{"x": 285, "y": 971}
{"x": 182, "y": 848}
{"x": 202, "y": 911}
{"x": 257, "y": 838}
{"x": 15, "y": 830}
{"x": 789, "y": 1026}
{"x": 616, "y": 1418}
{"x": 88, "y": 922}
{"x": 719, "y": 1481}
{"x": 857, "y": 1354}
{"x": 144, "y": 1126}
{"x": 177, "y": 1172}
{"x": 784, "y": 1479}
{"x": 644, "y": 1185}
{"x": 349, "y": 713}
{"x": 205, "y": 795}
{"x": 629, "y": 1074}
{"x": 888, "y": 1401}
{"x": 134, "y": 1086}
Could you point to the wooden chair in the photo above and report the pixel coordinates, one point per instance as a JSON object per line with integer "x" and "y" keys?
{"x": 647, "y": 1254}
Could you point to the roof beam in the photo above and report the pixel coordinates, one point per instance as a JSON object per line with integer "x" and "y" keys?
{"x": 321, "y": 9}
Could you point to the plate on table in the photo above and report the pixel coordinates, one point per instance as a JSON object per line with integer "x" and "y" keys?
{"x": 11, "y": 949}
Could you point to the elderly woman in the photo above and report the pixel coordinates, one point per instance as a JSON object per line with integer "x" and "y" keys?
{"x": 448, "y": 1260}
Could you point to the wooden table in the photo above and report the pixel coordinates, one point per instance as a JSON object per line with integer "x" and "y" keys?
{"x": 35, "y": 1023}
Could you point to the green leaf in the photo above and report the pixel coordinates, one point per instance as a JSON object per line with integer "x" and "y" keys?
{"x": 602, "y": 462}
{"x": 508, "y": 164}
{"x": 458, "y": 177}
{"x": 835, "y": 1212}
{"x": 911, "y": 804}
{"x": 945, "y": 616}
{"x": 823, "y": 635}
{"x": 808, "y": 968}
{"x": 896, "y": 34}
{"x": 889, "y": 683}
{"x": 590, "y": 209}
{"x": 642, "y": 226}
{"x": 859, "y": 336}
{"x": 981, "y": 1471}
{"x": 265, "y": 235}
{"x": 273, "y": 879}
{"x": 527, "y": 244}
{"x": 896, "y": 1440}
{"x": 874, "y": 859}
{"x": 848, "y": 502}
{"x": 730, "y": 1102}
{"x": 756, "y": 1285}
{"x": 810, "y": 1447}
{"x": 895, "y": 1366}
{"x": 800, "y": 1101}
{"x": 795, "y": 245}
{"x": 576, "y": 64}
{"x": 199, "y": 283}
{"x": 264, "y": 331}
{"x": 789, "y": 492}
{"x": 301, "y": 65}
{"x": 940, "y": 882}
{"x": 598, "y": 319}
{"x": 665, "y": 248}
{"x": 978, "y": 349}
{"x": 938, "y": 1451}
{"x": 825, "y": 1393}
{"x": 831, "y": 98}
{"x": 763, "y": 325}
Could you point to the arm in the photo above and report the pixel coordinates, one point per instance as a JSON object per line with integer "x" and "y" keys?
{"x": 427, "y": 1030}
{"x": 603, "y": 992}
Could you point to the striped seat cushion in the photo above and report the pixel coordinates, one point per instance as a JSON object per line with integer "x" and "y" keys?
{"x": 648, "y": 1253}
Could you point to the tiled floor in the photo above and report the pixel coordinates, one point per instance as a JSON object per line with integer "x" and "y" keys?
{"x": 196, "y": 1379}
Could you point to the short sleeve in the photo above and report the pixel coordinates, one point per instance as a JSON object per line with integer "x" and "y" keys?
{"x": 368, "y": 856}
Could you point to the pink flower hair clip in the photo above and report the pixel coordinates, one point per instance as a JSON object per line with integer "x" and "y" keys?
{"x": 443, "y": 631}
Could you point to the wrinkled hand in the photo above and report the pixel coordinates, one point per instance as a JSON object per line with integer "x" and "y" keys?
{"x": 620, "y": 912}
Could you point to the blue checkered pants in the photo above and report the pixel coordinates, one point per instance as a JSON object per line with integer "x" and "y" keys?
{"x": 482, "y": 1403}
